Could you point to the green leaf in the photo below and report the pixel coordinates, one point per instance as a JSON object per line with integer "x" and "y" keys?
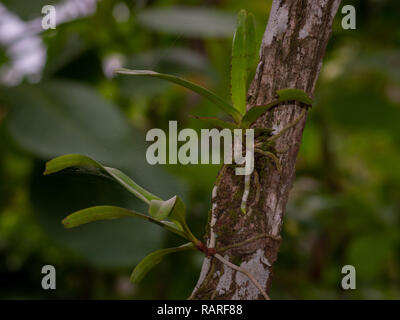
{"x": 294, "y": 94}
{"x": 99, "y": 213}
{"x": 244, "y": 57}
{"x": 188, "y": 21}
{"x": 251, "y": 47}
{"x": 173, "y": 60}
{"x": 59, "y": 117}
{"x": 254, "y": 113}
{"x": 217, "y": 123}
{"x": 160, "y": 210}
{"x": 283, "y": 95}
{"x": 239, "y": 65}
{"x": 112, "y": 212}
{"x": 178, "y": 217}
{"x": 76, "y": 160}
{"x": 223, "y": 105}
{"x": 114, "y": 243}
{"x": 178, "y": 213}
{"x": 118, "y": 243}
{"x": 130, "y": 185}
{"x": 153, "y": 259}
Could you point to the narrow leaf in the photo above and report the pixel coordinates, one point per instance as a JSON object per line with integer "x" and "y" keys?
{"x": 130, "y": 185}
{"x": 76, "y": 160}
{"x": 71, "y": 160}
{"x": 283, "y": 95}
{"x": 98, "y": 213}
{"x": 111, "y": 212}
{"x": 244, "y": 59}
{"x": 223, "y": 105}
{"x": 254, "y": 113}
{"x": 217, "y": 123}
{"x": 294, "y": 94}
{"x": 251, "y": 48}
{"x": 153, "y": 259}
{"x": 239, "y": 64}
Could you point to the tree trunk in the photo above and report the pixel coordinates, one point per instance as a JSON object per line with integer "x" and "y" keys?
{"x": 292, "y": 50}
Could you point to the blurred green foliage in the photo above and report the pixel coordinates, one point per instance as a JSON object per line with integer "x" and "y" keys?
{"x": 345, "y": 204}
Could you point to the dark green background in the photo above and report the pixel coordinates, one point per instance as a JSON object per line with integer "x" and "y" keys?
{"x": 345, "y": 204}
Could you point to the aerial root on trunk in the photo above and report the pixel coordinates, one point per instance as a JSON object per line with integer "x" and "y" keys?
{"x": 244, "y": 271}
{"x": 212, "y": 252}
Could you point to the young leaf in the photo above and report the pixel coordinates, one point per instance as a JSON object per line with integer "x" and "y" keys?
{"x": 223, "y": 105}
{"x": 178, "y": 216}
{"x": 178, "y": 213}
{"x": 153, "y": 259}
{"x": 160, "y": 210}
{"x": 111, "y": 212}
{"x": 289, "y": 94}
{"x": 76, "y": 160}
{"x": 254, "y": 113}
{"x": 217, "y": 123}
{"x": 251, "y": 45}
{"x": 294, "y": 94}
{"x": 244, "y": 59}
{"x": 239, "y": 65}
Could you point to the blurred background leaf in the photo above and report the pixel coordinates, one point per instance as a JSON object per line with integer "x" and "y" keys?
{"x": 58, "y": 95}
{"x": 196, "y": 22}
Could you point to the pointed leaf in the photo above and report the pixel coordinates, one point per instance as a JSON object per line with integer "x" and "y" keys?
{"x": 239, "y": 65}
{"x": 283, "y": 95}
{"x": 153, "y": 259}
{"x": 254, "y": 113}
{"x": 75, "y": 160}
{"x": 244, "y": 59}
{"x": 251, "y": 48}
{"x": 223, "y": 105}
{"x": 178, "y": 217}
{"x": 111, "y": 212}
{"x": 294, "y": 94}
{"x": 217, "y": 123}
{"x": 178, "y": 213}
{"x": 130, "y": 185}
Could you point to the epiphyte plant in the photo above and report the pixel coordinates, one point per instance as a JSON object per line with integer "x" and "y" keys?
{"x": 171, "y": 214}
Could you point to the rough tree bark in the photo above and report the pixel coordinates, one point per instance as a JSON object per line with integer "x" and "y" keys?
{"x": 291, "y": 56}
